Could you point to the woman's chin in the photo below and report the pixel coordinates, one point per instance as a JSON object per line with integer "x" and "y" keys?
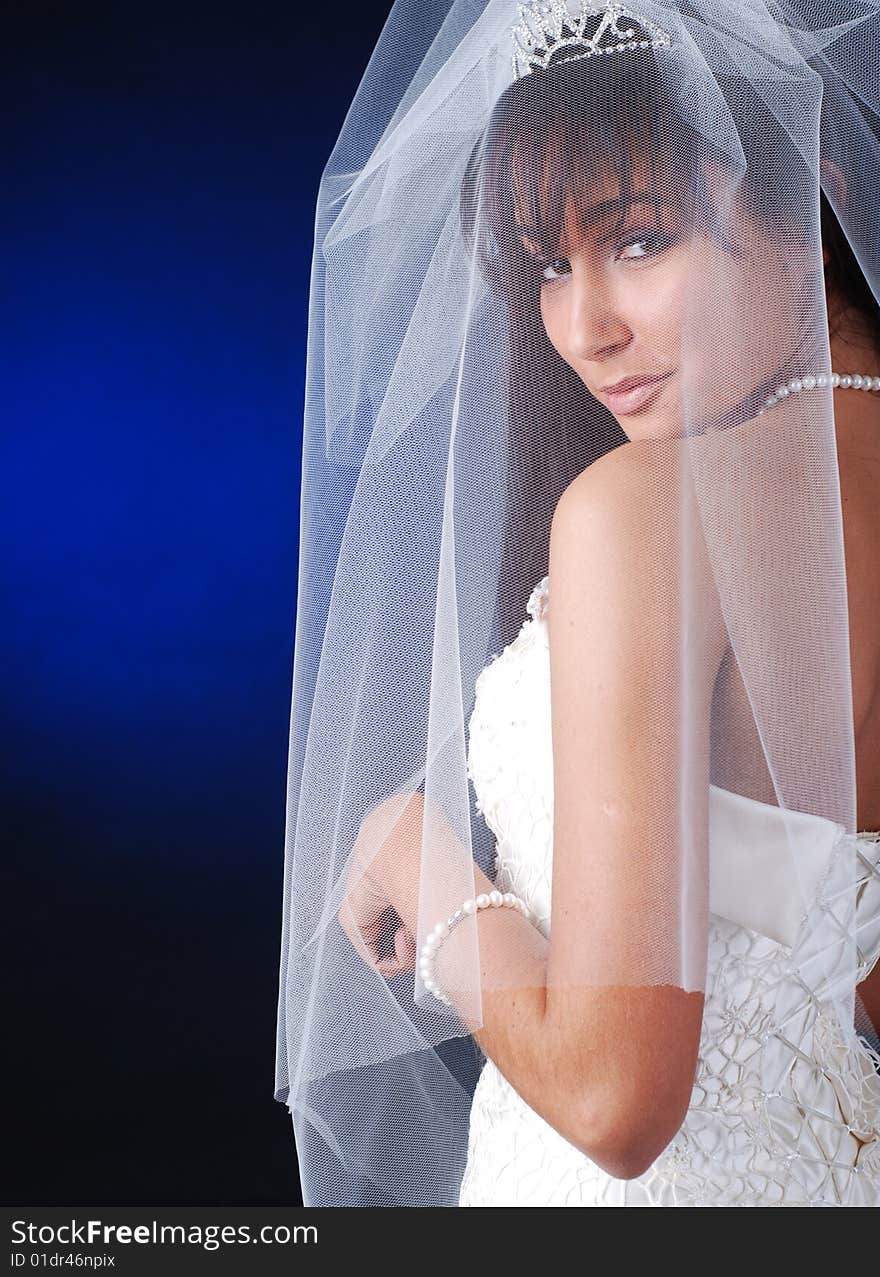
{"x": 656, "y": 425}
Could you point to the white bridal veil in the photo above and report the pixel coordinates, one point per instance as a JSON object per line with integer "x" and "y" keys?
{"x": 442, "y": 426}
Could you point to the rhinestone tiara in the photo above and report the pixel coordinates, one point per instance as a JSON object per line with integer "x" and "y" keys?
{"x": 586, "y": 27}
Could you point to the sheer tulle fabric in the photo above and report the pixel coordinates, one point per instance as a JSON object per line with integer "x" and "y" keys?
{"x": 441, "y": 428}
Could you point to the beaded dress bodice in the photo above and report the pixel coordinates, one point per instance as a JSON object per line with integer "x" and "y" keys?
{"x": 785, "y": 1106}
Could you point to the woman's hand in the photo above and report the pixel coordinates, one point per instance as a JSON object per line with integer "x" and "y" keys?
{"x": 367, "y": 915}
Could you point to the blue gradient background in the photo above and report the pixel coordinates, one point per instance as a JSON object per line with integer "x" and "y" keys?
{"x": 163, "y": 164}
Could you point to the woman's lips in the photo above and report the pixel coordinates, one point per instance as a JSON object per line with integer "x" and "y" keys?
{"x": 626, "y": 401}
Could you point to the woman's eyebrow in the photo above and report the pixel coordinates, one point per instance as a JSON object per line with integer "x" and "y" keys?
{"x": 597, "y": 212}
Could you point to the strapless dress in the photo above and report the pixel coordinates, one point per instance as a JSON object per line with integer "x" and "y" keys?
{"x": 785, "y": 1107}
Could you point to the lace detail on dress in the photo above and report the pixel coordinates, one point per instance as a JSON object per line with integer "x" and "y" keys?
{"x": 538, "y": 599}
{"x": 785, "y": 1106}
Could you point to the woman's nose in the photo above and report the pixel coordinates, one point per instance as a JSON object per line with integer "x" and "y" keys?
{"x": 596, "y": 328}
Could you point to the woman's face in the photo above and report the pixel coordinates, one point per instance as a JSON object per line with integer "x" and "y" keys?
{"x": 656, "y": 299}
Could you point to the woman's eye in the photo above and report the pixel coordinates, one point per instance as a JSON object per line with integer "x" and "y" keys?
{"x": 655, "y": 239}
{"x": 652, "y": 243}
{"x": 551, "y": 266}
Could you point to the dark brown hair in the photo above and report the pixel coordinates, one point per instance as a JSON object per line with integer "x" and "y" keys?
{"x": 844, "y": 280}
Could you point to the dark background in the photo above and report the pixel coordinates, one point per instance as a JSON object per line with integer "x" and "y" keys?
{"x": 161, "y": 164}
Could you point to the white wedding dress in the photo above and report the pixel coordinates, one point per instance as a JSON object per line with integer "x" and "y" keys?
{"x": 776, "y": 1117}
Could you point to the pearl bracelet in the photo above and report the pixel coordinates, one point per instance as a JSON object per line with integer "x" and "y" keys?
{"x": 428, "y": 951}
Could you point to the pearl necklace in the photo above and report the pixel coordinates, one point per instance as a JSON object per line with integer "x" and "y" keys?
{"x": 846, "y": 381}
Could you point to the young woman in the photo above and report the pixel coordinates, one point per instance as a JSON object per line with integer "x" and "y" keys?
{"x": 605, "y": 394}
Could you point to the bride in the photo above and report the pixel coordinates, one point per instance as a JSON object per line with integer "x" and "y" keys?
{"x": 660, "y": 370}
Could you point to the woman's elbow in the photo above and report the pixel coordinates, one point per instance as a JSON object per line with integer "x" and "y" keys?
{"x": 625, "y": 1136}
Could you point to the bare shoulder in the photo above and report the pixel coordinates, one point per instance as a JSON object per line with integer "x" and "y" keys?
{"x": 650, "y": 469}
{"x": 632, "y": 497}
{"x": 627, "y": 532}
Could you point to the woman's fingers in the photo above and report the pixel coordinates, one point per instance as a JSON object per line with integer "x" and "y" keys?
{"x": 367, "y": 919}
{"x": 404, "y": 958}
{"x": 404, "y": 955}
{"x": 353, "y": 931}
{"x": 405, "y": 948}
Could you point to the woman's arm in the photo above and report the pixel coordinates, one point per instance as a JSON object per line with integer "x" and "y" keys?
{"x": 609, "y": 1065}
{"x": 636, "y": 641}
